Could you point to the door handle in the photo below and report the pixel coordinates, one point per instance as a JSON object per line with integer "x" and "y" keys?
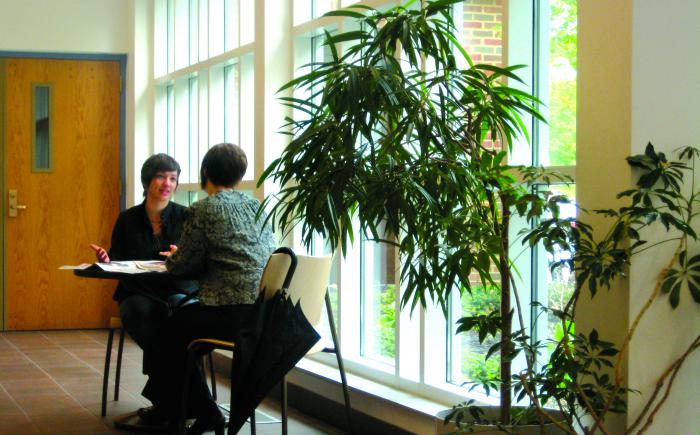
{"x": 12, "y": 197}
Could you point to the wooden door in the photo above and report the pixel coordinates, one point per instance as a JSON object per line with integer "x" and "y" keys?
{"x": 69, "y": 205}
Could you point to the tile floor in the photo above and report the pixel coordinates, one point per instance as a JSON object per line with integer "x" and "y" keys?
{"x": 51, "y": 383}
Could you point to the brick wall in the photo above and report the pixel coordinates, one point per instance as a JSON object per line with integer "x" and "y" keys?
{"x": 483, "y": 30}
{"x": 483, "y": 36}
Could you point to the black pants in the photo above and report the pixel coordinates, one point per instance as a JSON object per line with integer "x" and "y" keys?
{"x": 165, "y": 382}
{"x": 141, "y": 317}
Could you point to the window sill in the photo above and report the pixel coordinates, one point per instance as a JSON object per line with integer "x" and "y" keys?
{"x": 398, "y": 408}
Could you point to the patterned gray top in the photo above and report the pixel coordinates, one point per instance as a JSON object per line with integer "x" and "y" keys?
{"x": 224, "y": 247}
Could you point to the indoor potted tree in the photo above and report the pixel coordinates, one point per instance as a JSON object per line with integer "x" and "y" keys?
{"x": 395, "y": 135}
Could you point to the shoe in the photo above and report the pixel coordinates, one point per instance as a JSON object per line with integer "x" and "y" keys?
{"x": 153, "y": 416}
{"x": 215, "y": 422}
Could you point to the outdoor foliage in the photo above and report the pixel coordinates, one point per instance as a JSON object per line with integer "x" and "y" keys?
{"x": 562, "y": 92}
{"x": 387, "y": 321}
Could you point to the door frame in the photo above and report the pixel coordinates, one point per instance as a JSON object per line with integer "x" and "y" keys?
{"x": 122, "y": 59}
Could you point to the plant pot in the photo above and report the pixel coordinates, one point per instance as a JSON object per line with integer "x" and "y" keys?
{"x": 492, "y": 413}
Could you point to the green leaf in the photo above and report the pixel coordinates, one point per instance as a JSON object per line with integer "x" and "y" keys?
{"x": 493, "y": 349}
{"x": 674, "y": 297}
{"x": 344, "y": 13}
{"x": 694, "y": 287}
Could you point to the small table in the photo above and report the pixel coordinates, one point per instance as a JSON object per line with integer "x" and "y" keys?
{"x": 95, "y": 272}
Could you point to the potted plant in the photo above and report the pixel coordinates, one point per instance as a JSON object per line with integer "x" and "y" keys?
{"x": 395, "y": 136}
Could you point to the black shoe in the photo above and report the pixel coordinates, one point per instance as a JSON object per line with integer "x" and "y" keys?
{"x": 215, "y": 422}
{"x": 153, "y": 416}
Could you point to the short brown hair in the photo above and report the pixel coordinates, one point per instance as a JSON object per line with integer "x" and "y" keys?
{"x": 224, "y": 165}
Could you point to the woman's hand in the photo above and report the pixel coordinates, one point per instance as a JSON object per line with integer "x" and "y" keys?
{"x": 100, "y": 253}
{"x": 172, "y": 250}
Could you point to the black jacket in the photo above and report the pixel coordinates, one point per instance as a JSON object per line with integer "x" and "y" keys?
{"x": 132, "y": 239}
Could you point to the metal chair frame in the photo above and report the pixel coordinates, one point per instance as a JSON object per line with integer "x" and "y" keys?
{"x": 117, "y": 375}
{"x": 341, "y": 368}
{"x": 206, "y": 346}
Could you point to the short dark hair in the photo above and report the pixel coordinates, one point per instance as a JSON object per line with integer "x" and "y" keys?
{"x": 154, "y": 164}
{"x": 224, "y": 165}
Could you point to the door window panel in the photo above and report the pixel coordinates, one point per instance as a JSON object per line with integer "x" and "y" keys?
{"x": 41, "y": 132}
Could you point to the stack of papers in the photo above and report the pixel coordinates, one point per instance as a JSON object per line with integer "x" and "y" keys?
{"x": 138, "y": 266}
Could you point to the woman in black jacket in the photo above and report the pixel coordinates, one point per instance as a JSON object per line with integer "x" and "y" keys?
{"x": 140, "y": 233}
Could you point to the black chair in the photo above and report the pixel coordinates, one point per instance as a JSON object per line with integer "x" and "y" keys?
{"x": 115, "y": 323}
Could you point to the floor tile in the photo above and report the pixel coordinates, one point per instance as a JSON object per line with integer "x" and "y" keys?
{"x": 51, "y": 383}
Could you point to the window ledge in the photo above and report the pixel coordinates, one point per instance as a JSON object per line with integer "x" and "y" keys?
{"x": 392, "y": 406}
{"x": 366, "y": 387}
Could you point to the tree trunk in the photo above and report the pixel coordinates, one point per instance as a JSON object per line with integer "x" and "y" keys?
{"x": 504, "y": 269}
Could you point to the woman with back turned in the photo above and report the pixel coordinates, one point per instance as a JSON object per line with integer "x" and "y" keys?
{"x": 226, "y": 248}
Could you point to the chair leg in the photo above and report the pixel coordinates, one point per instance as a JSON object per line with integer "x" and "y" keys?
{"x": 105, "y": 374}
{"x": 210, "y": 357}
{"x": 118, "y": 374}
{"x": 346, "y": 392}
{"x": 185, "y": 393}
{"x": 284, "y": 405}
{"x": 341, "y": 367}
{"x": 252, "y": 423}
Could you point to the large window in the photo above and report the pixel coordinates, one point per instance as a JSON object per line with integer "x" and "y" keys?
{"x": 205, "y": 85}
{"x": 542, "y": 35}
{"x": 203, "y": 71}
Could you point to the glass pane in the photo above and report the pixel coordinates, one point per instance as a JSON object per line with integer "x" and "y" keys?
{"x": 247, "y": 21}
{"x": 188, "y": 197}
{"x": 40, "y": 120}
{"x": 194, "y": 31}
{"x": 302, "y": 11}
{"x": 556, "y": 287}
{"x": 203, "y": 30}
{"x": 170, "y": 17}
{"x": 231, "y": 24}
{"x": 170, "y": 96}
{"x": 193, "y": 159}
{"x": 561, "y": 86}
{"x": 320, "y": 7}
{"x": 378, "y": 295}
{"x": 246, "y": 98}
{"x": 466, "y": 360}
{"x": 231, "y": 105}
{"x": 216, "y": 27}
{"x": 182, "y": 34}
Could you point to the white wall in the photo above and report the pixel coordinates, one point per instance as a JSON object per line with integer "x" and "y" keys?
{"x": 665, "y": 111}
{"x": 85, "y": 26}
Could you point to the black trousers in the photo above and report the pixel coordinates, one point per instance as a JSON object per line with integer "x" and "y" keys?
{"x": 142, "y": 317}
{"x": 167, "y": 376}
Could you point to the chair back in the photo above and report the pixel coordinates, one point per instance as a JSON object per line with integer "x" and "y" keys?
{"x": 278, "y": 271}
{"x": 309, "y": 285}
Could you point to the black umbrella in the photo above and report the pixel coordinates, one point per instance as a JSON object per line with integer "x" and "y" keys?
{"x": 278, "y": 337}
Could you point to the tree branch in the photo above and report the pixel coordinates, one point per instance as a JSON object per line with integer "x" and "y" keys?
{"x": 672, "y": 371}
{"x": 633, "y": 329}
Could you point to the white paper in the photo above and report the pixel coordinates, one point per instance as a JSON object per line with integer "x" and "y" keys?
{"x": 142, "y": 266}
{"x": 79, "y": 266}
{"x": 138, "y": 266}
